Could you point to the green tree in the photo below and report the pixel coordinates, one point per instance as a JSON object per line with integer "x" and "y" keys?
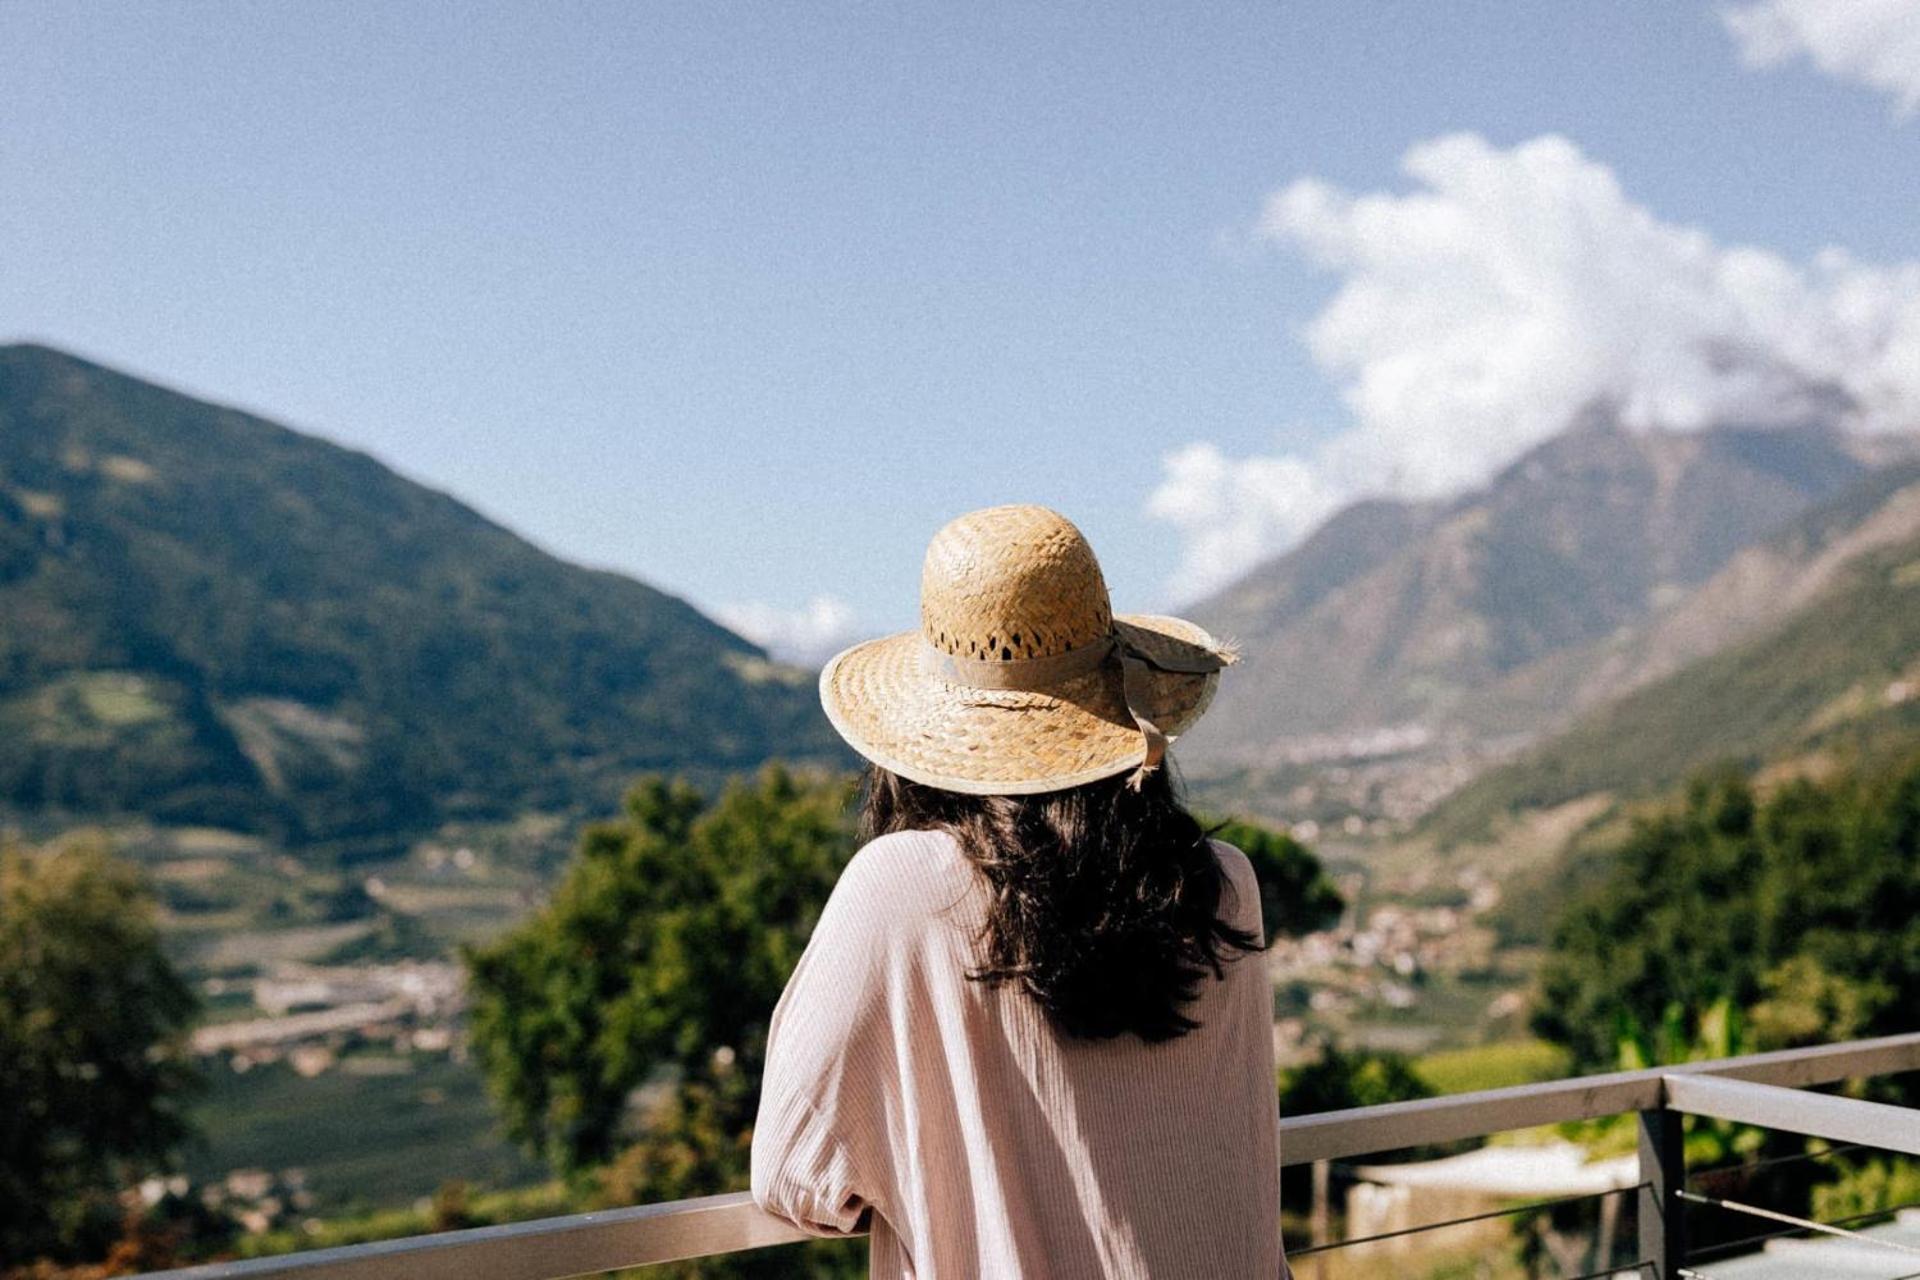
{"x": 669, "y": 940}
{"x": 1791, "y": 919}
{"x": 93, "y": 1062}
{"x": 1295, "y": 895}
{"x": 1802, "y": 912}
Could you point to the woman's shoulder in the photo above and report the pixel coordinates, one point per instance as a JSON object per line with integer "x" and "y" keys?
{"x": 906, "y": 856}
{"x": 1237, "y": 865}
{"x": 905, "y": 876}
{"x": 1244, "y": 910}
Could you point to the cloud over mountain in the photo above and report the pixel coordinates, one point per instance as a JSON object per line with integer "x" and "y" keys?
{"x": 1871, "y": 42}
{"x": 1511, "y": 287}
{"x": 1233, "y": 512}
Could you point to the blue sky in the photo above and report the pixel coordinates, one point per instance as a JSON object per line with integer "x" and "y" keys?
{"x": 746, "y": 300}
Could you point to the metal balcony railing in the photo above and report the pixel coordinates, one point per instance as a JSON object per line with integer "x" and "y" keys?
{"x": 1766, "y": 1090}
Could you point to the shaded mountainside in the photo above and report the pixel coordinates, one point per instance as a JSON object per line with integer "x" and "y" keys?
{"x": 208, "y": 618}
{"x": 1759, "y": 587}
{"x": 1837, "y": 681}
{"x": 1455, "y": 620}
{"x": 1352, "y": 543}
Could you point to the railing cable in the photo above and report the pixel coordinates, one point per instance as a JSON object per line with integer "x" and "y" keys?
{"x": 1805, "y": 1224}
{"x": 1461, "y": 1222}
{"x": 1732, "y": 1246}
{"x": 1753, "y": 1166}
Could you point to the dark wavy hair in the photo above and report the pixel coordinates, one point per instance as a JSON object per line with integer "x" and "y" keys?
{"x": 1104, "y": 900}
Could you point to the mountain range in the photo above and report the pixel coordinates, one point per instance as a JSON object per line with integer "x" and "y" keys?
{"x": 209, "y": 618}
{"x": 1802, "y": 654}
{"x": 1403, "y": 647}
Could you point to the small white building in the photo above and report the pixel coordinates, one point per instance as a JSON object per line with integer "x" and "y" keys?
{"x": 1402, "y": 1197}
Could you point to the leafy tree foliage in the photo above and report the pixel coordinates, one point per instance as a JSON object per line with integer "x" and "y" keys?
{"x": 1295, "y": 895}
{"x": 1802, "y": 911}
{"x": 1340, "y": 1079}
{"x": 1732, "y": 922}
{"x": 92, "y": 1057}
{"x": 669, "y": 939}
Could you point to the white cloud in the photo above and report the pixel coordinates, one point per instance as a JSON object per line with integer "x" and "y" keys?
{"x": 1477, "y": 314}
{"x": 807, "y": 636}
{"x": 1232, "y": 512}
{"x": 1871, "y": 42}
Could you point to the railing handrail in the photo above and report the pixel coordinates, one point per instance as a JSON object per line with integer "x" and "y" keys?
{"x": 1392, "y": 1126}
{"x": 581, "y": 1244}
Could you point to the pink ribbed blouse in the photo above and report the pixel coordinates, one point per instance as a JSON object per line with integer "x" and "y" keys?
{"x": 987, "y": 1144}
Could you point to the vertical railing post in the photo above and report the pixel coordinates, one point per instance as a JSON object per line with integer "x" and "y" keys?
{"x": 1322, "y": 1214}
{"x": 1603, "y": 1248}
{"x": 1663, "y": 1171}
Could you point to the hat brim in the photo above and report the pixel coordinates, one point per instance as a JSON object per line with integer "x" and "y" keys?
{"x": 882, "y": 699}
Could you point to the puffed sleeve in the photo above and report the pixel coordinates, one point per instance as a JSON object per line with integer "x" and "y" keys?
{"x": 820, "y": 1141}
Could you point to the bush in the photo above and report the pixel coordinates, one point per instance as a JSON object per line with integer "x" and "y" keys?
{"x": 1802, "y": 911}
{"x": 93, "y": 1057}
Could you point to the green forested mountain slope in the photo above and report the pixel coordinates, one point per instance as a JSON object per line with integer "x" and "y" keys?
{"x": 1838, "y": 680}
{"x": 1758, "y": 588}
{"x": 208, "y": 618}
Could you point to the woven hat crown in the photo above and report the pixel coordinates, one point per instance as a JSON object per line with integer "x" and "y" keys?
{"x": 1009, "y": 583}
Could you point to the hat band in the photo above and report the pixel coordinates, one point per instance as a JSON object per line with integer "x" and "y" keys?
{"x": 1025, "y": 675}
{"x": 1044, "y": 674}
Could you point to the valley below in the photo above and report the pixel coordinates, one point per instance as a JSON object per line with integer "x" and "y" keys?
{"x": 332, "y": 1041}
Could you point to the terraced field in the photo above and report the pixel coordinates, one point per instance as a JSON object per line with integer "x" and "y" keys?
{"x": 374, "y": 1132}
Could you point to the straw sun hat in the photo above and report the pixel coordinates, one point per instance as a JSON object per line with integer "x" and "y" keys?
{"x": 1020, "y": 679}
